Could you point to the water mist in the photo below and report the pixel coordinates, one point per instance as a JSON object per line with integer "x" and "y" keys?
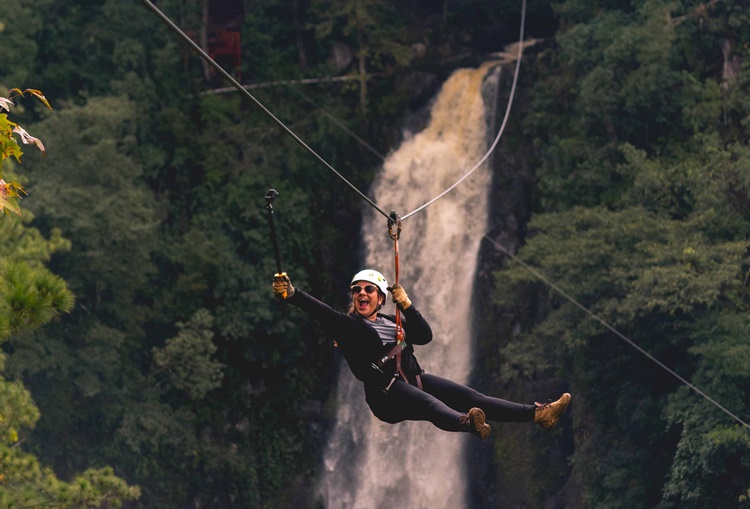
{"x": 370, "y": 464}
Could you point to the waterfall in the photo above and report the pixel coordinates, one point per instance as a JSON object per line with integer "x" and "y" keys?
{"x": 370, "y": 464}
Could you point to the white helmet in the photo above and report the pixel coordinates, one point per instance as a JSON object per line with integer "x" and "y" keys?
{"x": 374, "y": 277}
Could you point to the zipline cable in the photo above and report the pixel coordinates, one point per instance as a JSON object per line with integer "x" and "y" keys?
{"x": 247, "y": 94}
{"x": 615, "y": 331}
{"x": 502, "y": 127}
{"x": 267, "y": 84}
{"x": 290, "y": 84}
{"x": 340, "y": 124}
{"x": 296, "y": 138}
{"x": 165, "y": 19}
{"x": 304, "y": 96}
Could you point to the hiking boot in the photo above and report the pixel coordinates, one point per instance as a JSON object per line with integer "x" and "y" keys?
{"x": 474, "y": 423}
{"x": 547, "y": 415}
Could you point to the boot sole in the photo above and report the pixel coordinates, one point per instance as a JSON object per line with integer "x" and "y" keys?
{"x": 478, "y": 422}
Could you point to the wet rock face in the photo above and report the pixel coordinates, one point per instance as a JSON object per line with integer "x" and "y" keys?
{"x": 420, "y": 86}
{"x": 491, "y": 483}
{"x": 341, "y": 56}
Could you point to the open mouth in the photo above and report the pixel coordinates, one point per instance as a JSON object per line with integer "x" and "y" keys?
{"x": 363, "y": 303}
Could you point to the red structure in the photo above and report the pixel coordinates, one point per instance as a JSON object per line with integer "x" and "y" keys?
{"x": 224, "y": 47}
{"x": 223, "y": 33}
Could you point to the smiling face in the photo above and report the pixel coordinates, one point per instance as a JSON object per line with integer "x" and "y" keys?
{"x": 365, "y": 304}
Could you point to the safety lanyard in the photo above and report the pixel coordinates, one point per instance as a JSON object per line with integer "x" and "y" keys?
{"x": 395, "y": 220}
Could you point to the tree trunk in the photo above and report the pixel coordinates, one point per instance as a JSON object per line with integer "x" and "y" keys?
{"x": 298, "y": 37}
{"x": 362, "y": 76}
{"x": 204, "y": 39}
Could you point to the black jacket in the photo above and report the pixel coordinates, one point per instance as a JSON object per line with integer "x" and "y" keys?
{"x": 359, "y": 342}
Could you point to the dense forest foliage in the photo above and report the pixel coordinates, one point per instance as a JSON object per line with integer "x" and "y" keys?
{"x": 145, "y": 362}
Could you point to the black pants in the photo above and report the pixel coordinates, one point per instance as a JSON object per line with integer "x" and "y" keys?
{"x": 441, "y": 402}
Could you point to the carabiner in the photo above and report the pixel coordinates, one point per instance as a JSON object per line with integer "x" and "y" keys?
{"x": 394, "y": 220}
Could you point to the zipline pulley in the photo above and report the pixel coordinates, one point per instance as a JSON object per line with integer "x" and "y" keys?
{"x": 395, "y": 221}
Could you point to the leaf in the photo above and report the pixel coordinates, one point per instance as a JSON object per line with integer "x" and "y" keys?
{"x": 5, "y": 103}
{"x": 29, "y": 139}
{"x": 6, "y": 205}
{"x": 14, "y": 188}
{"x": 18, "y": 91}
{"x": 8, "y": 148}
{"x": 39, "y": 95}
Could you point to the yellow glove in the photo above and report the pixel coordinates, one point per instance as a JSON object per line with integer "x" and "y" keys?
{"x": 400, "y": 297}
{"x": 282, "y": 286}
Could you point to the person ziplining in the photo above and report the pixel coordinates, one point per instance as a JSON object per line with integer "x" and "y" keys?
{"x": 396, "y": 387}
{"x": 473, "y": 415}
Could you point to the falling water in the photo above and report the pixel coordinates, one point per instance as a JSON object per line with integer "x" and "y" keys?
{"x": 370, "y": 464}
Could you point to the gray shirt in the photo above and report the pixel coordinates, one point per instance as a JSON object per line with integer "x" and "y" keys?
{"x": 385, "y": 328}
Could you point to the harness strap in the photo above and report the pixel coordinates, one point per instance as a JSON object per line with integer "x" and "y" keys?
{"x": 403, "y": 375}
{"x": 394, "y": 220}
{"x": 395, "y": 353}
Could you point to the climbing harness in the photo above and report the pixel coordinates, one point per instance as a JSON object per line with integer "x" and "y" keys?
{"x": 394, "y": 220}
{"x": 394, "y": 230}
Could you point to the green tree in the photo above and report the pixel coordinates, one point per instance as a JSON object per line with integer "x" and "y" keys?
{"x": 649, "y": 278}
{"x": 642, "y": 218}
{"x": 31, "y": 296}
{"x": 19, "y": 29}
{"x": 379, "y": 44}
{"x": 131, "y": 404}
{"x": 87, "y": 192}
